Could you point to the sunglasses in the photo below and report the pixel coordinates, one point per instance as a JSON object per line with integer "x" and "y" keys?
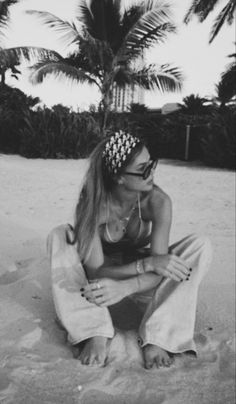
{"x": 147, "y": 171}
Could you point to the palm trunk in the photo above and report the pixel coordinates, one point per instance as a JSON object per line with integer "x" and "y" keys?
{"x": 106, "y": 106}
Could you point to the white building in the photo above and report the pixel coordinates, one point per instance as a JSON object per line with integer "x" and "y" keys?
{"x": 123, "y": 97}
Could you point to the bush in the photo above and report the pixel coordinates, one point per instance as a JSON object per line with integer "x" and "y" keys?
{"x": 219, "y": 140}
{"x": 57, "y": 133}
{"x": 14, "y": 104}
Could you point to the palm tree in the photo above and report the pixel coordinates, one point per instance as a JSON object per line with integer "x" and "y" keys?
{"x": 194, "y": 105}
{"x": 107, "y": 41}
{"x": 202, "y": 8}
{"x": 12, "y": 57}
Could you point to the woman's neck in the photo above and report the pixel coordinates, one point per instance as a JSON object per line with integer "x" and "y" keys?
{"x": 123, "y": 198}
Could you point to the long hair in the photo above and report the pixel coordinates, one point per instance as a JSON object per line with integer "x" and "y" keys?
{"x": 95, "y": 191}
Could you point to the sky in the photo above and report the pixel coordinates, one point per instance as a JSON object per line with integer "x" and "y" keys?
{"x": 200, "y": 62}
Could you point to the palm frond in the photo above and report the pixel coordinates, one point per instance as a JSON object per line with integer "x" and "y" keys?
{"x": 164, "y": 78}
{"x": 67, "y": 31}
{"x": 14, "y": 56}
{"x": 226, "y": 14}
{"x": 152, "y": 26}
{"x": 200, "y": 8}
{"x": 4, "y": 8}
{"x": 4, "y": 16}
{"x": 101, "y": 19}
{"x": 58, "y": 69}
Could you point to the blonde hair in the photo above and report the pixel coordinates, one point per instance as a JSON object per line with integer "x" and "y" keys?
{"x": 95, "y": 193}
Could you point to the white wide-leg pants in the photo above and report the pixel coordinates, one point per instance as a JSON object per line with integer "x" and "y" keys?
{"x": 170, "y": 309}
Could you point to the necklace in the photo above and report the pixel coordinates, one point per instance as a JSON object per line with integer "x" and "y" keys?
{"x": 123, "y": 221}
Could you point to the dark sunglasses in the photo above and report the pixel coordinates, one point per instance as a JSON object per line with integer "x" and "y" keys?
{"x": 147, "y": 171}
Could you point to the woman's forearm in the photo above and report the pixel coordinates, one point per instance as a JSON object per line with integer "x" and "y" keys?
{"x": 141, "y": 283}
{"x": 131, "y": 280}
{"x": 121, "y": 272}
{"x": 118, "y": 272}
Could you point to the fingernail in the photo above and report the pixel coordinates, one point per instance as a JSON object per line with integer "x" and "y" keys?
{"x": 181, "y": 280}
{"x": 190, "y": 269}
{"x": 82, "y": 294}
{"x": 187, "y": 279}
{"x": 82, "y": 289}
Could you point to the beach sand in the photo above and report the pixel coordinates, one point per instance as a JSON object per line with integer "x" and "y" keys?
{"x": 37, "y": 365}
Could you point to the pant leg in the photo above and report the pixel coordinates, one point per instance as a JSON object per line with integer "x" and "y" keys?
{"x": 81, "y": 319}
{"x": 170, "y": 316}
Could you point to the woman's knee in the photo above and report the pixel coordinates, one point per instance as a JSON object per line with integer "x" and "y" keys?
{"x": 204, "y": 245}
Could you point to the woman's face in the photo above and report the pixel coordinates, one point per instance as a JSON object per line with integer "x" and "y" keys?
{"x": 138, "y": 165}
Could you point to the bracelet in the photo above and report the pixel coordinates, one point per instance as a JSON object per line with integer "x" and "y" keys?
{"x": 140, "y": 267}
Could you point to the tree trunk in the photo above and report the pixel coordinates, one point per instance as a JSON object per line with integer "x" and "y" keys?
{"x": 106, "y": 106}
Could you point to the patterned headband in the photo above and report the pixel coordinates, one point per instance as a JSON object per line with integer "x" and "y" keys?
{"x": 117, "y": 149}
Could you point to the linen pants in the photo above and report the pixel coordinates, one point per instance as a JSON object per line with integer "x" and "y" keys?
{"x": 169, "y": 309}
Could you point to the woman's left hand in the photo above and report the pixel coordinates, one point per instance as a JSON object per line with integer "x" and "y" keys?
{"x": 104, "y": 292}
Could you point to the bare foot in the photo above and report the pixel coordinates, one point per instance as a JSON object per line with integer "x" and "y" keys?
{"x": 94, "y": 351}
{"x": 154, "y": 355}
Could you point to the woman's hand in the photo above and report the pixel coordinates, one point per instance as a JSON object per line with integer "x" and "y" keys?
{"x": 104, "y": 292}
{"x": 170, "y": 266}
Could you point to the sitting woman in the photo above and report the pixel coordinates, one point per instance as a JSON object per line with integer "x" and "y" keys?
{"x": 102, "y": 259}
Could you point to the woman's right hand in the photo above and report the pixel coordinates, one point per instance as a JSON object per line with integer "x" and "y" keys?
{"x": 170, "y": 266}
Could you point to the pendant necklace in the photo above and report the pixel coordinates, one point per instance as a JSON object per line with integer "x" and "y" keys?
{"x": 124, "y": 222}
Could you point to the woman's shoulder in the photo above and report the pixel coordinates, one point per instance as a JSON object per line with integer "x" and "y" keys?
{"x": 158, "y": 202}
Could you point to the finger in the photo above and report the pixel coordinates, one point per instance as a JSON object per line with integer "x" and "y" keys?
{"x": 180, "y": 261}
{"x": 178, "y": 273}
{"x": 172, "y": 275}
{"x": 92, "y": 287}
{"x": 181, "y": 268}
{"x": 100, "y": 300}
{"x": 92, "y": 294}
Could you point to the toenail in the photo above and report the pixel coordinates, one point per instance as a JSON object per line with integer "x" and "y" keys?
{"x": 82, "y": 289}
{"x": 190, "y": 269}
{"x": 82, "y": 294}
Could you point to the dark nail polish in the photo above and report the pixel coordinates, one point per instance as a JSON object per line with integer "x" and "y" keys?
{"x": 82, "y": 289}
{"x": 82, "y": 294}
{"x": 187, "y": 279}
{"x": 190, "y": 269}
{"x": 181, "y": 280}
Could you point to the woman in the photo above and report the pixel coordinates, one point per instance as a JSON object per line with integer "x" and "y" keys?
{"x": 102, "y": 259}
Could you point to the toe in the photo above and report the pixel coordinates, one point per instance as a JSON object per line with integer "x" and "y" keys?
{"x": 148, "y": 364}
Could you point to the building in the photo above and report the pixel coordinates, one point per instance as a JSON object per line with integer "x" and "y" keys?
{"x": 123, "y": 97}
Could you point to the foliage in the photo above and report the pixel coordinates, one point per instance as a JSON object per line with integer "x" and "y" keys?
{"x": 58, "y": 133}
{"x": 202, "y": 8}
{"x": 219, "y": 140}
{"x": 10, "y": 58}
{"x": 137, "y": 108}
{"x": 107, "y": 43}
{"x": 226, "y": 88}
{"x": 194, "y": 105}
{"x": 13, "y": 106}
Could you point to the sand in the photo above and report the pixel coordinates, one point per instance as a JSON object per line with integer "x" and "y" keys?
{"x": 37, "y": 365}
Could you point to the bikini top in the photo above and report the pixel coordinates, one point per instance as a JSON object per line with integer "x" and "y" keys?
{"x": 142, "y": 238}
